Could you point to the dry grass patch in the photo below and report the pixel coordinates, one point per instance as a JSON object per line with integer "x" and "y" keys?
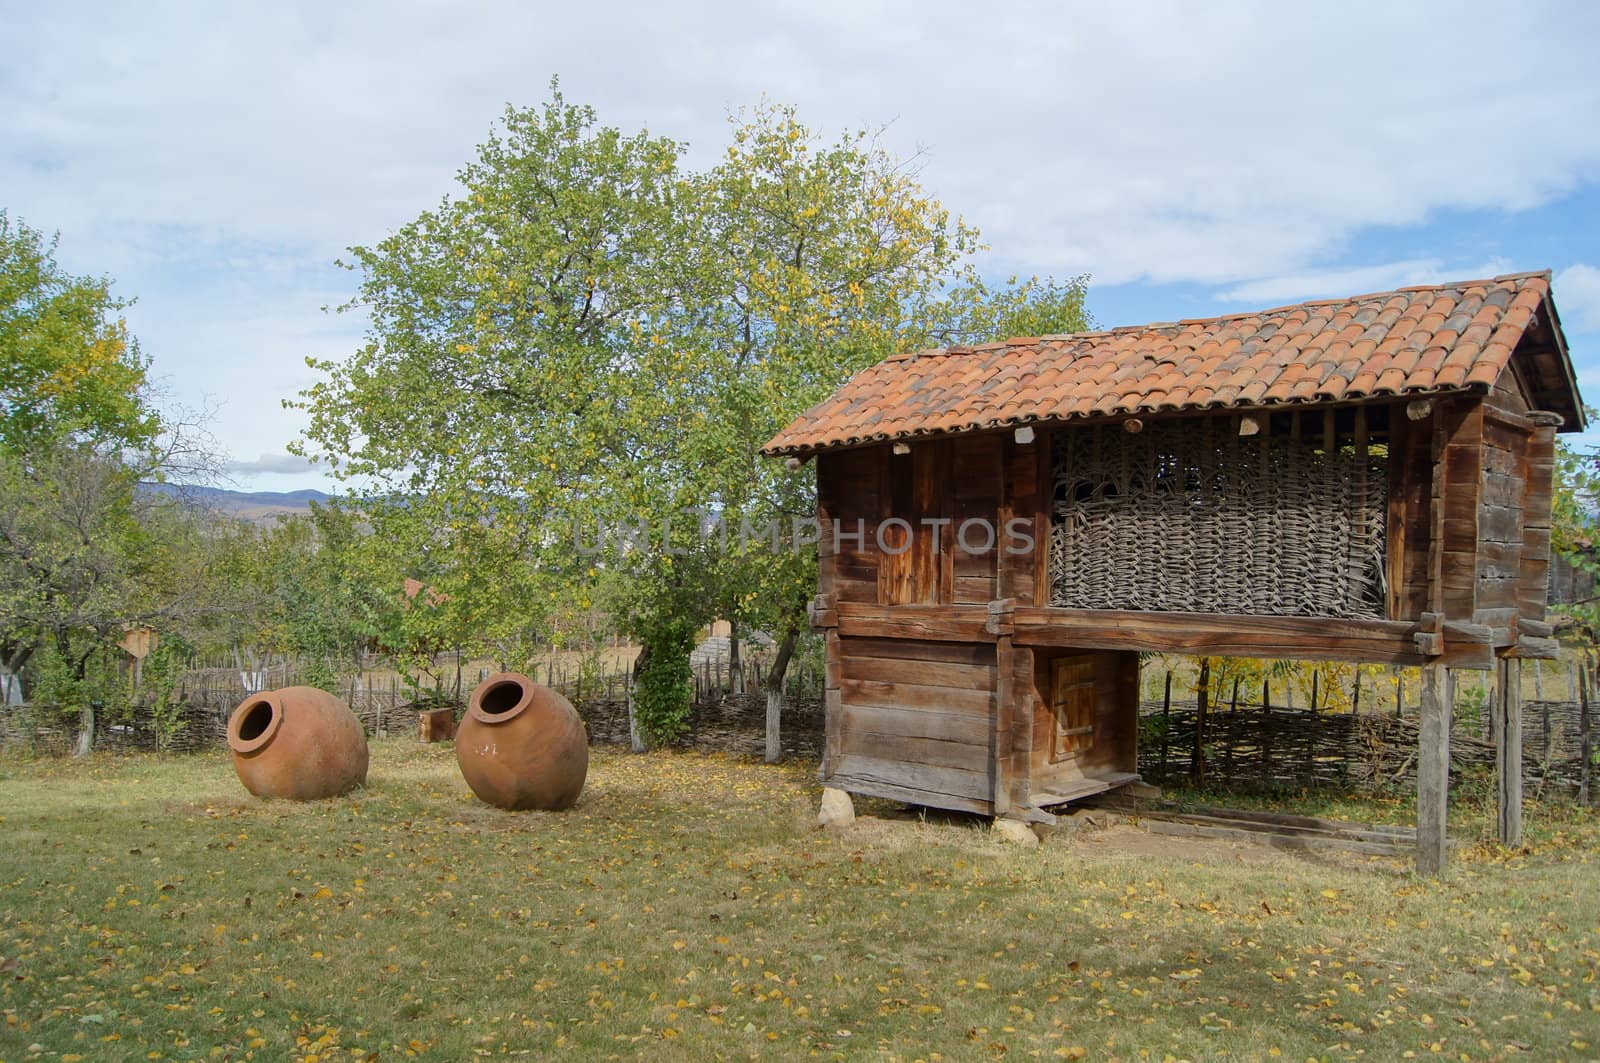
{"x": 688, "y": 909}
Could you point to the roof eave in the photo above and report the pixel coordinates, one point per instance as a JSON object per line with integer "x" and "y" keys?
{"x": 808, "y": 450}
{"x": 1576, "y": 416}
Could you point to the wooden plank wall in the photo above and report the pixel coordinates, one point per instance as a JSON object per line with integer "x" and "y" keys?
{"x": 1457, "y": 482}
{"x": 915, "y": 721}
{"x": 1514, "y": 512}
{"x": 950, "y": 481}
{"x": 1027, "y": 474}
{"x": 1500, "y": 526}
{"x": 1469, "y": 514}
{"x": 976, "y": 479}
{"x": 1534, "y": 583}
{"x": 849, "y": 485}
{"x": 1410, "y": 511}
{"x": 912, "y": 710}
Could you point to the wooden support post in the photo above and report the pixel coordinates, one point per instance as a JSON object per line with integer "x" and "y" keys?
{"x": 1266, "y": 731}
{"x": 1492, "y": 694}
{"x": 1508, "y": 752}
{"x": 1548, "y": 720}
{"x": 1197, "y": 763}
{"x": 1433, "y": 769}
{"x": 1004, "y": 668}
{"x": 1001, "y": 624}
{"x": 1585, "y": 741}
{"x": 1166, "y": 725}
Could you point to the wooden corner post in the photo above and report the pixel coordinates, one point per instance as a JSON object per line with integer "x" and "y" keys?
{"x": 825, "y": 618}
{"x": 1433, "y": 769}
{"x": 1001, "y": 624}
{"x": 1508, "y": 752}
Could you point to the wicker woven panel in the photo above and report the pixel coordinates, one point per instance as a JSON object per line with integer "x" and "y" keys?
{"x": 1189, "y": 516}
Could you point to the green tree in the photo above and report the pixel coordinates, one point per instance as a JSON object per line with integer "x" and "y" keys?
{"x": 587, "y": 335}
{"x": 507, "y": 329}
{"x": 83, "y": 555}
{"x": 83, "y": 552}
{"x": 1575, "y": 532}
{"x": 68, "y": 366}
{"x": 809, "y": 260}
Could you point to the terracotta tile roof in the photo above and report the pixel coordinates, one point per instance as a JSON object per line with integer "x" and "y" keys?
{"x": 1445, "y": 337}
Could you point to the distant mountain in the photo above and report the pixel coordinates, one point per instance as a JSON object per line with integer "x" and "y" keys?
{"x": 247, "y": 505}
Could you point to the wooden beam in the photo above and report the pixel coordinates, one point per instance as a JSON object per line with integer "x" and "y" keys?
{"x": 1218, "y": 634}
{"x": 1456, "y": 631}
{"x": 1508, "y": 754}
{"x": 822, "y": 612}
{"x": 1433, "y": 770}
{"x": 1000, "y": 758}
{"x": 1528, "y": 647}
{"x": 1002, "y": 616}
{"x": 949, "y": 623}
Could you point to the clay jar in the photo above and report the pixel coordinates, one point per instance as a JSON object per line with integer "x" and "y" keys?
{"x": 521, "y": 745}
{"x": 298, "y": 743}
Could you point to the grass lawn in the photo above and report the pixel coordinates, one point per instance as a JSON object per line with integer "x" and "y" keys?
{"x": 688, "y": 909}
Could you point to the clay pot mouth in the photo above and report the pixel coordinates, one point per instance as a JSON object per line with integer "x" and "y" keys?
{"x": 254, "y": 723}
{"x": 500, "y": 698}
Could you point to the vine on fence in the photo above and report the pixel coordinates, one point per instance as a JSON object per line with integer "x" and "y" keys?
{"x": 663, "y": 684}
{"x": 161, "y": 672}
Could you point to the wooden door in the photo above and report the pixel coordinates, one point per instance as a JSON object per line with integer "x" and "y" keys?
{"x": 1073, "y": 698}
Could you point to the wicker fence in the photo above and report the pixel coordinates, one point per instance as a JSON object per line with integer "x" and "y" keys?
{"x": 1248, "y": 747}
{"x": 1268, "y": 748}
{"x": 722, "y": 716}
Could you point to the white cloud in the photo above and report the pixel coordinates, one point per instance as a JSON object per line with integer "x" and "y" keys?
{"x": 214, "y": 158}
{"x": 1577, "y": 295}
{"x": 1333, "y": 283}
{"x": 269, "y": 463}
{"x": 1177, "y": 142}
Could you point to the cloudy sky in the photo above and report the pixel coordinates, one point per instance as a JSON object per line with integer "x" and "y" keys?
{"x": 1194, "y": 158}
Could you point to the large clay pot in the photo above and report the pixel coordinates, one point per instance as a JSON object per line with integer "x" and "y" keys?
{"x": 522, "y": 745}
{"x": 299, "y": 743}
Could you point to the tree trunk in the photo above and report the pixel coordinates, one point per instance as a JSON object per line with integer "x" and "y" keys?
{"x": 86, "y": 725}
{"x": 635, "y": 735}
{"x": 735, "y": 665}
{"x": 780, "y": 667}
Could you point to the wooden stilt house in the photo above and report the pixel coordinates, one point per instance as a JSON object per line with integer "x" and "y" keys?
{"x": 1005, "y": 527}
